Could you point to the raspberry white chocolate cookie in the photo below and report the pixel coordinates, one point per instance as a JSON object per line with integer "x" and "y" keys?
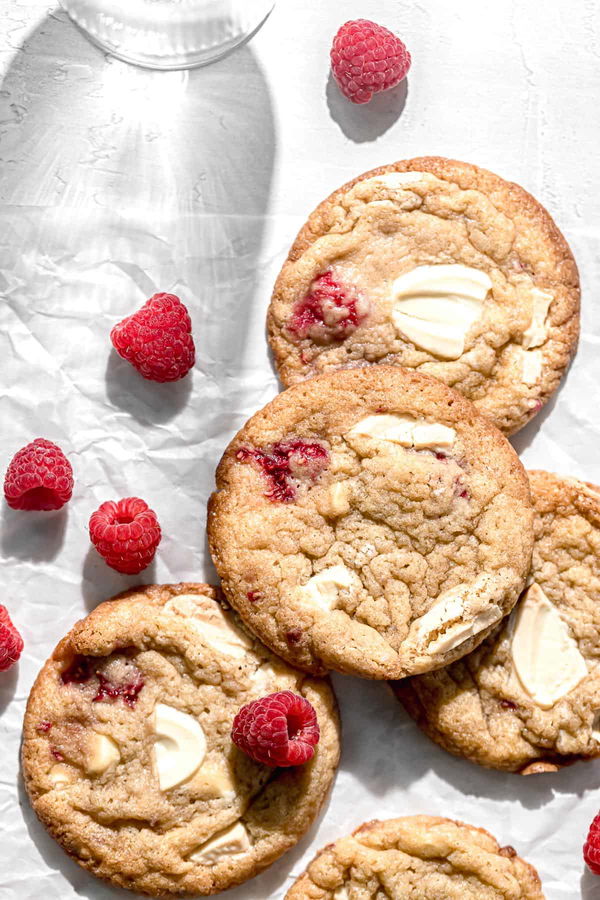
{"x": 417, "y": 857}
{"x": 127, "y": 752}
{"x": 528, "y": 699}
{"x": 371, "y": 521}
{"x": 434, "y": 265}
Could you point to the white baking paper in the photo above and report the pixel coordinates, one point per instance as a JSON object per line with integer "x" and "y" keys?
{"x": 116, "y": 183}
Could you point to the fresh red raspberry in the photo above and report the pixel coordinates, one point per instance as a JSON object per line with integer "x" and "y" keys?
{"x": 278, "y": 730}
{"x": 39, "y": 477}
{"x": 367, "y": 58}
{"x": 157, "y": 339}
{"x": 329, "y": 313}
{"x": 11, "y": 642}
{"x": 591, "y": 848}
{"x": 126, "y": 534}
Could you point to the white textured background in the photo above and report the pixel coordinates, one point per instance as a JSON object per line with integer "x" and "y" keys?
{"x": 117, "y": 182}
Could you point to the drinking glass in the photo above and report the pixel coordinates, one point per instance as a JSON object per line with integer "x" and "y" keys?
{"x": 168, "y": 34}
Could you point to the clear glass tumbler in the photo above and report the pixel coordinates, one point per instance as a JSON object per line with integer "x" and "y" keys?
{"x": 168, "y": 34}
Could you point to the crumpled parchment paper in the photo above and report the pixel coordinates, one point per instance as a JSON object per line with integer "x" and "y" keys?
{"x": 116, "y": 183}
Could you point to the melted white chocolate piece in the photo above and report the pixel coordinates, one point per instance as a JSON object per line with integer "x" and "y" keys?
{"x": 212, "y": 624}
{"x": 180, "y": 748}
{"x": 341, "y": 894}
{"x": 535, "y": 334}
{"x": 453, "y": 620}
{"x": 545, "y": 656}
{"x": 323, "y": 588}
{"x": 102, "y": 753}
{"x": 397, "y": 180}
{"x": 435, "y": 306}
{"x": 61, "y": 776}
{"x": 532, "y": 366}
{"x": 213, "y": 780}
{"x": 406, "y": 431}
{"x": 336, "y": 501}
{"x": 231, "y": 842}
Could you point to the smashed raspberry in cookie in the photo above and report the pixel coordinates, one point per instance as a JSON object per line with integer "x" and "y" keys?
{"x": 39, "y": 477}
{"x": 330, "y": 313}
{"x": 126, "y": 534}
{"x": 286, "y": 464}
{"x": 11, "y": 642}
{"x": 127, "y": 687}
{"x": 278, "y": 730}
{"x": 591, "y": 848}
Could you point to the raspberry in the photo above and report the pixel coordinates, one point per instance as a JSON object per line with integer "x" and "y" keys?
{"x": 367, "y": 58}
{"x": 278, "y": 730}
{"x": 591, "y": 848}
{"x": 126, "y": 534}
{"x": 286, "y": 464}
{"x": 11, "y": 642}
{"x": 157, "y": 339}
{"x": 39, "y": 477}
{"x": 329, "y": 313}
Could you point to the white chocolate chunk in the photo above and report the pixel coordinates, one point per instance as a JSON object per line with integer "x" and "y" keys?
{"x": 212, "y": 781}
{"x": 398, "y": 180}
{"x": 535, "y": 334}
{"x": 102, "y": 753}
{"x": 532, "y": 366}
{"x": 545, "y": 656}
{"x": 272, "y": 677}
{"x": 453, "y": 620}
{"x": 435, "y": 306}
{"x": 180, "y": 748}
{"x": 336, "y": 501}
{"x": 323, "y": 588}
{"x": 596, "y": 726}
{"x": 212, "y": 624}
{"x": 341, "y": 894}
{"x": 405, "y": 430}
{"x": 61, "y": 776}
{"x": 231, "y": 842}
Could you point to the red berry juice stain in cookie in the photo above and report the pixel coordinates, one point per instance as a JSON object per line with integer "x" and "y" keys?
{"x": 57, "y": 754}
{"x": 329, "y": 313}
{"x": 83, "y": 669}
{"x": 254, "y": 596}
{"x": 508, "y": 704}
{"x": 128, "y": 691}
{"x": 285, "y": 464}
{"x": 294, "y": 636}
{"x": 43, "y": 727}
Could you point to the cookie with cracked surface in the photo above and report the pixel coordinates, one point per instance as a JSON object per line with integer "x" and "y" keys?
{"x": 127, "y": 755}
{"x": 371, "y": 521}
{"x": 435, "y": 265}
{"x": 421, "y": 858}
{"x": 528, "y": 699}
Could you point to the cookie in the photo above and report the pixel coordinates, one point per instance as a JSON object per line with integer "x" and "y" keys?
{"x": 528, "y": 699}
{"x": 434, "y": 265}
{"x": 418, "y": 857}
{"x": 371, "y": 521}
{"x": 127, "y": 755}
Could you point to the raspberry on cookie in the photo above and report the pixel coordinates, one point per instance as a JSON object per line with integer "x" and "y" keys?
{"x": 528, "y": 699}
{"x": 420, "y": 857}
{"x": 452, "y": 271}
{"x": 372, "y": 522}
{"x": 127, "y": 752}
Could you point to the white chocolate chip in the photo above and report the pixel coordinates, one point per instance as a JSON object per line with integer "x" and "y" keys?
{"x": 231, "y": 842}
{"x": 532, "y": 366}
{"x": 397, "y": 180}
{"x": 435, "y": 306}
{"x": 341, "y": 894}
{"x": 406, "y": 431}
{"x": 180, "y": 748}
{"x": 61, "y": 776}
{"x": 213, "y": 781}
{"x": 211, "y": 623}
{"x": 545, "y": 656}
{"x": 322, "y": 589}
{"x": 457, "y": 616}
{"x": 535, "y": 333}
{"x": 336, "y": 501}
{"x": 271, "y": 677}
{"x": 102, "y": 753}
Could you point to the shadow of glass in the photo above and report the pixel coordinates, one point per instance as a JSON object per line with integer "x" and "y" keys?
{"x": 368, "y": 121}
{"x": 31, "y": 535}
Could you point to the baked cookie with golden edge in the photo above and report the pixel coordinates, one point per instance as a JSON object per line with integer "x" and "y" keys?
{"x": 417, "y": 858}
{"x": 127, "y": 754}
{"x": 371, "y": 521}
{"x": 528, "y": 699}
{"x": 434, "y": 265}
